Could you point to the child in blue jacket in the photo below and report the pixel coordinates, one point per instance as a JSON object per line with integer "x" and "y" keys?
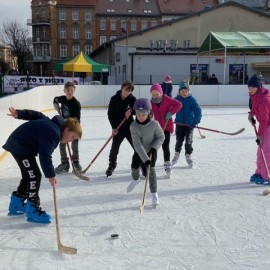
{"x": 186, "y": 120}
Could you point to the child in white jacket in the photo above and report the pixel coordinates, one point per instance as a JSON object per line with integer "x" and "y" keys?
{"x": 147, "y": 137}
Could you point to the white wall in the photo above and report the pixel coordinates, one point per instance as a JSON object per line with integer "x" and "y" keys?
{"x": 41, "y": 98}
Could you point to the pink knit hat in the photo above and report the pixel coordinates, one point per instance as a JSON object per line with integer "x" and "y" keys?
{"x": 156, "y": 87}
{"x": 168, "y": 78}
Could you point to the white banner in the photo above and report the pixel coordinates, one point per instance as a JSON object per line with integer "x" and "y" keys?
{"x": 14, "y": 84}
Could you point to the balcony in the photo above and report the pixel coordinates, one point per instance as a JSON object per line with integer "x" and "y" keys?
{"x": 40, "y": 40}
{"x": 38, "y": 21}
{"x": 42, "y": 58}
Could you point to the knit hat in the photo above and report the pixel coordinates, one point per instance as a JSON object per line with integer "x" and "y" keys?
{"x": 168, "y": 78}
{"x": 156, "y": 87}
{"x": 183, "y": 85}
{"x": 255, "y": 81}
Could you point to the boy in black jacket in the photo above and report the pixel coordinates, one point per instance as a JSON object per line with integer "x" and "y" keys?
{"x": 120, "y": 107}
{"x": 39, "y": 136}
{"x": 68, "y": 106}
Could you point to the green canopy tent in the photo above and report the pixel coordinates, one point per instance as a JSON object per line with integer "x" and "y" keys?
{"x": 82, "y": 63}
{"x": 235, "y": 43}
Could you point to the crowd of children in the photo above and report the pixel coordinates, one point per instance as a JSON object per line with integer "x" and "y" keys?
{"x": 148, "y": 131}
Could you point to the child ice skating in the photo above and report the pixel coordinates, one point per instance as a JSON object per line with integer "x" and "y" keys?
{"x": 147, "y": 137}
{"x": 68, "y": 106}
{"x": 39, "y": 136}
{"x": 167, "y": 86}
{"x": 187, "y": 119}
{"x": 260, "y": 109}
{"x": 164, "y": 107}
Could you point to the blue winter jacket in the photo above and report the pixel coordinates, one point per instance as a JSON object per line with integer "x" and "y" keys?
{"x": 40, "y": 136}
{"x": 191, "y": 113}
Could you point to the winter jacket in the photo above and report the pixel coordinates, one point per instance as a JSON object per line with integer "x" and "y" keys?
{"x": 167, "y": 88}
{"x": 145, "y": 137}
{"x": 69, "y": 107}
{"x": 261, "y": 108}
{"x": 117, "y": 109}
{"x": 191, "y": 112}
{"x": 40, "y": 136}
{"x": 161, "y": 109}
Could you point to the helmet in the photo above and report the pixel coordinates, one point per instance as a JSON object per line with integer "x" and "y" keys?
{"x": 142, "y": 104}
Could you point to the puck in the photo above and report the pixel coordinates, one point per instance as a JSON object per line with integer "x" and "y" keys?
{"x": 115, "y": 235}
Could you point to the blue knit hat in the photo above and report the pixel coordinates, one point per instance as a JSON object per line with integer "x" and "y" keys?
{"x": 255, "y": 81}
{"x": 183, "y": 85}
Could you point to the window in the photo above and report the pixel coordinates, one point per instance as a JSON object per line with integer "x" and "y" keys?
{"x": 112, "y": 37}
{"x": 63, "y": 51}
{"x": 75, "y": 33}
{"x": 153, "y": 23}
{"x": 43, "y": 13}
{"x": 75, "y": 15}
{"x": 44, "y": 50}
{"x": 38, "y": 51}
{"x": 124, "y": 24}
{"x": 113, "y": 25}
{"x": 133, "y": 26}
{"x": 147, "y": 11}
{"x": 88, "y": 15}
{"x": 144, "y": 25}
{"x": 117, "y": 57}
{"x": 62, "y": 14}
{"x": 88, "y": 49}
{"x": 103, "y": 39}
{"x": 37, "y": 33}
{"x": 44, "y": 33}
{"x": 88, "y": 33}
{"x": 75, "y": 50}
{"x": 102, "y": 25}
{"x": 63, "y": 33}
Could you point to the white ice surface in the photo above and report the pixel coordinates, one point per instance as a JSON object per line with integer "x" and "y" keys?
{"x": 210, "y": 217}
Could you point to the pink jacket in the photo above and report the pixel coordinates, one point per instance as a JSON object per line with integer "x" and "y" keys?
{"x": 261, "y": 109}
{"x": 160, "y": 110}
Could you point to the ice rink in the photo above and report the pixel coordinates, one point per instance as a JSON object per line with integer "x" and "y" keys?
{"x": 210, "y": 217}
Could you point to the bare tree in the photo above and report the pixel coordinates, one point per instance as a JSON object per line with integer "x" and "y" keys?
{"x": 16, "y": 36}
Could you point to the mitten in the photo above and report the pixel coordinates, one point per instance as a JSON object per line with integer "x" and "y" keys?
{"x": 168, "y": 116}
{"x": 57, "y": 107}
{"x": 147, "y": 163}
{"x": 251, "y": 119}
{"x": 259, "y": 140}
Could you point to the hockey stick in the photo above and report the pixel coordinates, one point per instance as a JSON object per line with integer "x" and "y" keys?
{"x": 214, "y": 130}
{"x": 77, "y": 173}
{"x": 202, "y": 136}
{"x": 61, "y": 248}
{"x": 145, "y": 187}
{"x": 102, "y": 148}
{"x": 267, "y": 191}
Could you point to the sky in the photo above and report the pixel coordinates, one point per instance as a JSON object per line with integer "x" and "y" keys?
{"x": 15, "y": 10}
{"x": 209, "y": 218}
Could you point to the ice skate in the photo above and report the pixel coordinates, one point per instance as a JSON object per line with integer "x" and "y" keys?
{"x": 259, "y": 180}
{"x": 34, "y": 213}
{"x": 155, "y": 201}
{"x": 63, "y": 167}
{"x": 132, "y": 185}
{"x": 17, "y": 205}
{"x": 77, "y": 165}
{"x": 189, "y": 160}
{"x": 254, "y": 177}
{"x": 175, "y": 158}
{"x": 168, "y": 167}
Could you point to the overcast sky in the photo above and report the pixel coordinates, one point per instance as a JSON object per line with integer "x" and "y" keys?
{"x": 15, "y": 10}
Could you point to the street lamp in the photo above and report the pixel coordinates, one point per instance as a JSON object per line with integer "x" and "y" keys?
{"x": 126, "y": 32}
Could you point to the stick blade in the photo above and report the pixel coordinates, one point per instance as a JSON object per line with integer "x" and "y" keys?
{"x": 79, "y": 175}
{"x": 238, "y": 132}
{"x": 141, "y": 208}
{"x": 266, "y": 192}
{"x": 67, "y": 250}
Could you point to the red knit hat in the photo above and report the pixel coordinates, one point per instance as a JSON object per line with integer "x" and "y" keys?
{"x": 168, "y": 78}
{"x": 156, "y": 87}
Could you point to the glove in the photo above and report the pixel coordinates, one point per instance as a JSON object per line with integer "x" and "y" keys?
{"x": 152, "y": 152}
{"x": 251, "y": 119}
{"x": 259, "y": 140}
{"x": 147, "y": 163}
{"x": 168, "y": 116}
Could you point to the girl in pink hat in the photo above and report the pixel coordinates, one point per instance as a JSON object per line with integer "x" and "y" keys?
{"x": 163, "y": 108}
{"x": 167, "y": 86}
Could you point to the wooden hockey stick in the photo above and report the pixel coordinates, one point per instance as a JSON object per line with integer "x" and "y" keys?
{"x": 102, "y": 148}
{"x": 202, "y": 136}
{"x": 145, "y": 187}
{"x": 214, "y": 130}
{"x": 77, "y": 173}
{"x": 266, "y": 191}
{"x": 61, "y": 248}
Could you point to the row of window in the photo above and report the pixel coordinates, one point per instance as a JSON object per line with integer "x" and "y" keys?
{"x": 133, "y": 25}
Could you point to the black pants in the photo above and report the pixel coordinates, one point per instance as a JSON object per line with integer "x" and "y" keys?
{"x": 31, "y": 176}
{"x": 166, "y": 146}
{"x": 184, "y": 133}
{"x": 116, "y": 142}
